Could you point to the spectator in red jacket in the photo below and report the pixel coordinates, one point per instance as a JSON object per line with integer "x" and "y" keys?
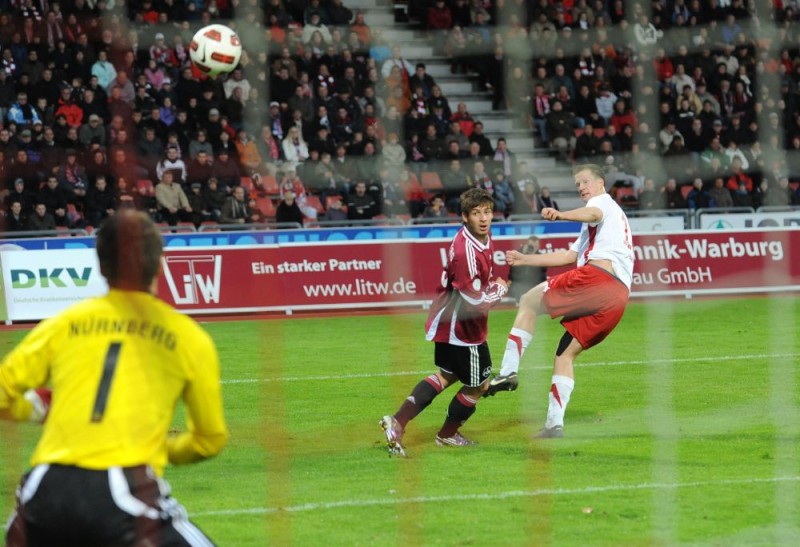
{"x": 739, "y": 177}
{"x": 464, "y": 119}
{"x": 69, "y": 108}
{"x": 622, "y": 116}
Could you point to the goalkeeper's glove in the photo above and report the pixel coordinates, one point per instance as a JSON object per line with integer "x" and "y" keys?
{"x": 40, "y": 403}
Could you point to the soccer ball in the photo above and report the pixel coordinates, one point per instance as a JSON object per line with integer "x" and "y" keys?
{"x": 215, "y": 50}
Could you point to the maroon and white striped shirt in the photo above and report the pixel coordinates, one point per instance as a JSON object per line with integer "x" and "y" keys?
{"x": 468, "y": 289}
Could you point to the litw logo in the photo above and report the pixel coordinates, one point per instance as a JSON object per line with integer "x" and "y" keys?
{"x": 193, "y": 279}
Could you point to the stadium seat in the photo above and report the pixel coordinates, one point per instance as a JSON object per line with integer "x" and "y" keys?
{"x": 623, "y": 192}
{"x": 313, "y": 201}
{"x": 270, "y": 184}
{"x": 73, "y": 213}
{"x": 685, "y": 189}
{"x": 794, "y": 186}
{"x": 247, "y": 184}
{"x": 147, "y": 184}
{"x": 599, "y": 132}
{"x": 266, "y": 206}
{"x": 331, "y": 199}
{"x": 430, "y": 181}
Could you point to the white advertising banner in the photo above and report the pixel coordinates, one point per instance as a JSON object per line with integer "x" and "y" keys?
{"x": 39, "y": 284}
{"x": 646, "y": 224}
{"x": 715, "y": 221}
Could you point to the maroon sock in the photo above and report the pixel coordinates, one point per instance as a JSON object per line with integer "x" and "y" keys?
{"x": 459, "y": 411}
{"x": 421, "y": 396}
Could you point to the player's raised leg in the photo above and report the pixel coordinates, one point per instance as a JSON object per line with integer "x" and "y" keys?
{"x": 521, "y": 334}
{"x": 561, "y": 386}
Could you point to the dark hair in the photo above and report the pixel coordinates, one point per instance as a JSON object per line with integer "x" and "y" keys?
{"x": 475, "y": 197}
{"x": 129, "y": 248}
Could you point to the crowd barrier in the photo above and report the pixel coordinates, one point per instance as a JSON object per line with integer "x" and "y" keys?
{"x": 661, "y": 220}
{"x": 292, "y": 277}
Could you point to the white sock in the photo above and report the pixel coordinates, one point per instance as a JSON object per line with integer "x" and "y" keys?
{"x": 518, "y": 340}
{"x": 560, "y": 390}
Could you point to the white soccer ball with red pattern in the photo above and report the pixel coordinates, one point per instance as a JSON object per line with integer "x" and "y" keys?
{"x": 215, "y": 49}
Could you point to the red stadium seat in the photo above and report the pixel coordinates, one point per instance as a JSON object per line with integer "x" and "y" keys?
{"x": 331, "y": 199}
{"x": 430, "y": 181}
{"x": 627, "y": 197}
{"x": 685, "y": 189}
{"x": 247, "y": 184}
{"x": 623, "y": 192}
{"x": 147, "y": 184}
{"x": 314, "y": 202}
{"x": 72, "y": 212}
{"x": 266, "y": 206}
{"x": 270, "y": 185}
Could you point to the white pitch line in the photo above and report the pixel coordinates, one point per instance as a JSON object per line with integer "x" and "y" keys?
{"x": 541, "y": 367}
{"x": 306, "y": 507}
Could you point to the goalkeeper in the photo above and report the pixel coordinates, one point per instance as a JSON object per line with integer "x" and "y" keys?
{"x": 117, "y": 364}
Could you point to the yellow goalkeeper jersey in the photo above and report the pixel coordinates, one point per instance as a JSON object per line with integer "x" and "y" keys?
{"x": 117, "y": 365}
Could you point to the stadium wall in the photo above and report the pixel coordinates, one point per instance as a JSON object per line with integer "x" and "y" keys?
{"x": 293, "y": 277}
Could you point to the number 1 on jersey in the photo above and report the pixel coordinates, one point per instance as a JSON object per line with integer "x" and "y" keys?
{"x": 109, "y": 367}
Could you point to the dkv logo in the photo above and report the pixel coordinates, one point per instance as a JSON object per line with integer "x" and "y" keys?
{"x": 193, "y": 279}
{"x": 50, "y": 277}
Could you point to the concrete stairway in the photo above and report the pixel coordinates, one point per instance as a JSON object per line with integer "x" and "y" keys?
{"x": 465, "y": 88}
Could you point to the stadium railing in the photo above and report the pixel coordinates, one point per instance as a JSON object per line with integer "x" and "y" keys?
{"x": 778, "y": 208}
{"x": 354, "y": 223}
{"x": 45, "y": 233}
{"x": 698, "y": 214}
{"x": 437, "y": 220}
{"x": 250, "y": 227}
{"x": 166, "y": 229}
{"x": 685, "y": 213}
{"x": 524, "y": 218}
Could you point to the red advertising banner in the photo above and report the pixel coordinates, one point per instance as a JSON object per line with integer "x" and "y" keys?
{"x": 379, "y": 274}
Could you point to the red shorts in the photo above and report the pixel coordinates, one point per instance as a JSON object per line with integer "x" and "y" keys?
{"x": 590, "y": 299}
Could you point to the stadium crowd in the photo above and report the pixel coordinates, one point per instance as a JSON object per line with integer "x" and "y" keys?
{"x": 101, "y": 108}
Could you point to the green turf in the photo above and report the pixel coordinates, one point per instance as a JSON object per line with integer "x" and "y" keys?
{"x": 683, "y": 429}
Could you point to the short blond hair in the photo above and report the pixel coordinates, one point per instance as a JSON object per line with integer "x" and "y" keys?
{"x": 596, "y": 170}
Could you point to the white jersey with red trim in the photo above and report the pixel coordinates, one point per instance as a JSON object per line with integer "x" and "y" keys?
{"x": 459, "y": 312}
{"x": 609, "y": 239}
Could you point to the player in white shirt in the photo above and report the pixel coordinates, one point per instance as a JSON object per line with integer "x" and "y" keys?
{"x": 591, "y": 298}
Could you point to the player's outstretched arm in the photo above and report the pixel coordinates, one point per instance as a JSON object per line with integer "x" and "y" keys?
{"x": 582, "y": 214}
{"x": 563, "y": 257}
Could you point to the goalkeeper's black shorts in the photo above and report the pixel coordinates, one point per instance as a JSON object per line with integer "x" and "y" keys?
{"x": 73, "y": 507}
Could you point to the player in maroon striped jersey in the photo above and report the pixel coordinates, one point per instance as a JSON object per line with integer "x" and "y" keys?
{"x": 457, "y": 324}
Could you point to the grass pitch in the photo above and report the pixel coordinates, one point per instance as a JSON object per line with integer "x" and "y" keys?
{"x": 683, "y": 428}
